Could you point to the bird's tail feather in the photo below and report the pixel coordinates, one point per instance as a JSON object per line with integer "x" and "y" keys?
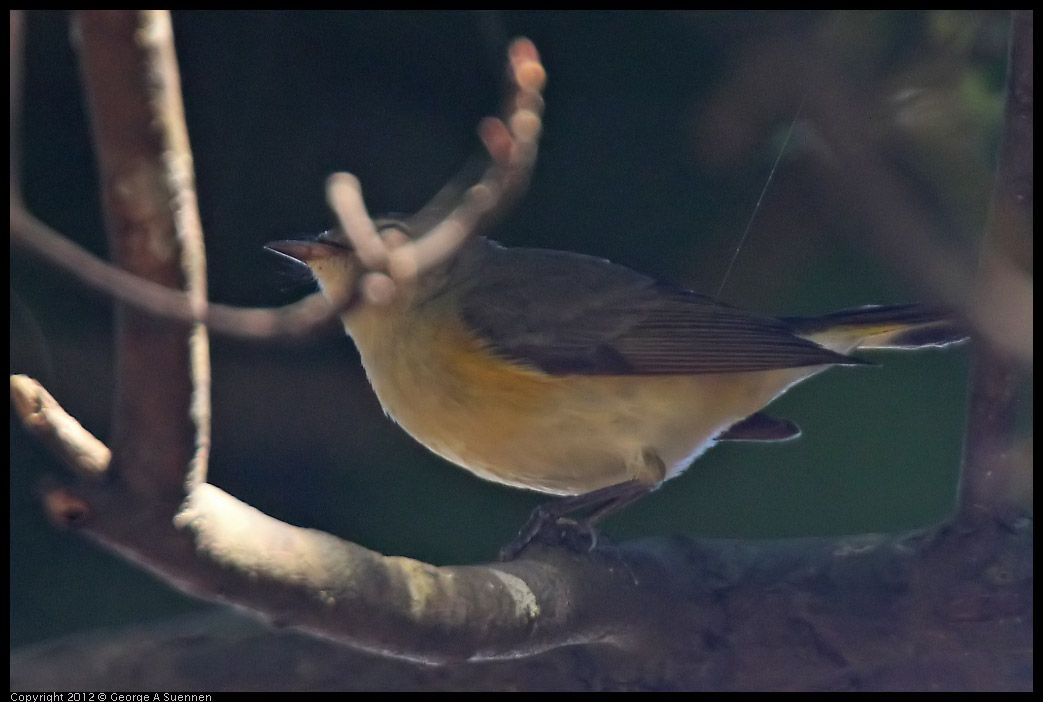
{"x": 910, "y": 326}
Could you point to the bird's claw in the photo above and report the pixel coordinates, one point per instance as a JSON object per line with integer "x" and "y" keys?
{"x": 545, "y": 527}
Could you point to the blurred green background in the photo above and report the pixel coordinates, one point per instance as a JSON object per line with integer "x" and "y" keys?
{"x": 660, "y": 132}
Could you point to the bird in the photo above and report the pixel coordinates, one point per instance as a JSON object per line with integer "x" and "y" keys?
{"x": 571, "y": 376}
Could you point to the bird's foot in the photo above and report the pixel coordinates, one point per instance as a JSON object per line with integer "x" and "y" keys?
{"x": 546, "y": 527}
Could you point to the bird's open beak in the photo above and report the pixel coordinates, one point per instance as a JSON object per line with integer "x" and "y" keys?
{"x": 303, "y": 251}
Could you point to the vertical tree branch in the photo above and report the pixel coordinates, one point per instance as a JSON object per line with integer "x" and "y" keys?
{"x": 153, "y": 227}
{"x": 996, "y": 379}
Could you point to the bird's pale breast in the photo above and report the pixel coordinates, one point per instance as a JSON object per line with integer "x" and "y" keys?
{"x": 560, "y": 434}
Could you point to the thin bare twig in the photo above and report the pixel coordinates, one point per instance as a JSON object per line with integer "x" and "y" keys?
{"x": 296, "y": 320}
{"x": 511, "y": 143}
{"x": 512, "y": 149}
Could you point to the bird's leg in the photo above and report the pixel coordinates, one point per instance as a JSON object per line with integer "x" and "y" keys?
{"x": 548, "y": 523}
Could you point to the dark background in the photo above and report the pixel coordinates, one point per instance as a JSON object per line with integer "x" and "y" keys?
{"x": 655, "y": 151}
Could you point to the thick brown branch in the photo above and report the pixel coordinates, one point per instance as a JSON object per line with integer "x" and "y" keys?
{"x": 788, "y": 614}
{"x": 128, "y": 75}
{"x": 991, "y": 464}
{"x": 224, "y": 550}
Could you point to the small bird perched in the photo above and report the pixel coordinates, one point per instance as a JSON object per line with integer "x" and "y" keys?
{"x": 572, "y": 376}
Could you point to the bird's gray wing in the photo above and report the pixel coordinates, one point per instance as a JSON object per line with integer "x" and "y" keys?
{"x": 566, "y": 313}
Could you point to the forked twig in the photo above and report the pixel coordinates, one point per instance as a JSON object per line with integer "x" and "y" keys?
{"x": 511, "y": 143}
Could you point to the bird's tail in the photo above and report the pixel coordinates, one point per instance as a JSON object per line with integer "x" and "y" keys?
{"x": 882, "y": 327}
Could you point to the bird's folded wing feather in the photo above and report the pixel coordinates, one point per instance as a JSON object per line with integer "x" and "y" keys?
{"x": 565, "y": 313}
